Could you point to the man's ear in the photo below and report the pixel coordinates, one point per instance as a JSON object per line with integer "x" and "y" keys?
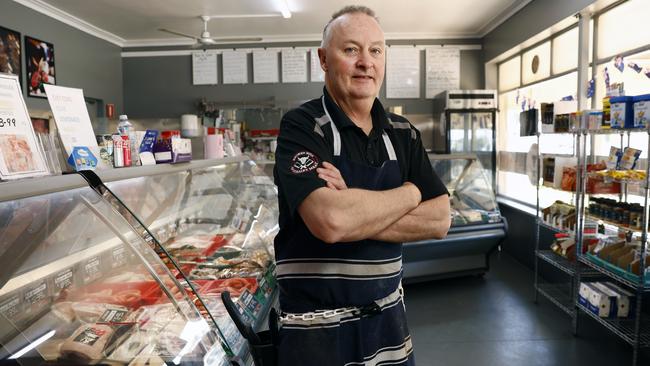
{"x": 322, "y": 58}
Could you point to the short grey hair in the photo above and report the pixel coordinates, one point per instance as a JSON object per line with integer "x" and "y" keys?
{"x": 350, "y": 9}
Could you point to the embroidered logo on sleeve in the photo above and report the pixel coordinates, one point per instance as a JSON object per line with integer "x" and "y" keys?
{"x": 303, "y": 162}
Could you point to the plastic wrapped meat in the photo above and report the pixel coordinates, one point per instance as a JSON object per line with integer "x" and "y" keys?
{"x": 87, "y": 342}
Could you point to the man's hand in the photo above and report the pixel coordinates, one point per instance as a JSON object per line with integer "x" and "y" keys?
{"x": 330, "y": 174}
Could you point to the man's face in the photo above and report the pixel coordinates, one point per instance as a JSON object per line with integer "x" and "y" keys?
{"x": 354, "y": 59}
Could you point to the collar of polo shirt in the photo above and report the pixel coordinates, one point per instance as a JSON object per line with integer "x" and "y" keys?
{"x": 379, "y": 116}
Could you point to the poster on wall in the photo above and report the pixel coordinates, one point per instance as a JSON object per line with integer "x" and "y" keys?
{"x": 402, "y": 72}
{"x": 39, "y": 61}
{"x": 10, "y": 52}
{"x": 20, "y": 153}
{"x": 443, "y": 70}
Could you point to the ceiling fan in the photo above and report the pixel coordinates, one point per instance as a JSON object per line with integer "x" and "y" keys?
{"x": 205, "y": 39}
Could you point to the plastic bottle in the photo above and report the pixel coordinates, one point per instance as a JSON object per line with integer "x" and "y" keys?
{"x": 125, "y": 128}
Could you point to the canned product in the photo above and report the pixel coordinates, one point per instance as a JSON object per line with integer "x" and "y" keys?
{"x": 118, "y": 151}
{"x": 105, "y": 143}
{"x": 126, "y": 150}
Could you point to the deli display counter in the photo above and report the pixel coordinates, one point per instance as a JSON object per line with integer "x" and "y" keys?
{"x": 79, "y": 286}
{"x": 217, "y": 221}
{"x": 477, "y": 226}
{"x": 125, "y": 266}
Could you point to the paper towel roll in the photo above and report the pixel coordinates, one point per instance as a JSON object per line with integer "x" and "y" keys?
{"x": 190, "y": 125}
{"x": 214, "y": 146}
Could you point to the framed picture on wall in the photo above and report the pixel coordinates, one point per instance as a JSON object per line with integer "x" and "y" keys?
{"x": 39, "y": 61}
{"x": 10, "y": 52}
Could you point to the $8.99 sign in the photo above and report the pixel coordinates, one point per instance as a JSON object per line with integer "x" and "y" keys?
{"x": 9, "y": 122}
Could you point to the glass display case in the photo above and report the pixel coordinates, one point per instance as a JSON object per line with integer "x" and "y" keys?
{"x": 216, "y": 220}
{"x": 80, "y": 286}
{"x": 477, "y": 225}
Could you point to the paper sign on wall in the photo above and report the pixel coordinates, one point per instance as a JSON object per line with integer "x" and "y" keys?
{"x": 72, "y": 120}
{"x": 20, "y": 154}
{"x": 235, "y": 67}
{"x": 402, "y": 72}
{"x": 294, "y": 66}
{"x": 443, "y": 70}
{"x": 204, "y": 68}
{"x": 265, "y": 66}
{"x": 317, "y": 74}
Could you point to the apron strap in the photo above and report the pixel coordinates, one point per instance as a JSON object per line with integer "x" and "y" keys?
{"x": 337, "y": 136}
{"x": 335, "y": 131}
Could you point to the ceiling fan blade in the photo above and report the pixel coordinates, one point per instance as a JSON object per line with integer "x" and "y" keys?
{"x": 176, "y": 33}
{"x": 236, "y": 39}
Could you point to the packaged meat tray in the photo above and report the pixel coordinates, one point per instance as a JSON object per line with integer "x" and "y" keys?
{"x": 129, "y": 294}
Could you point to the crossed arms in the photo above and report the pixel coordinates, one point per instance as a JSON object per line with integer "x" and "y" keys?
{"x": 339, "y": 214}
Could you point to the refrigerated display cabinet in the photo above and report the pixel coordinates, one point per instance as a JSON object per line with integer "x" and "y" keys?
{"x": 216, "y": 220}
{"x": 477, "y": 226}
{"x": 80, "y": 286}
{"x": 98, "y": 263}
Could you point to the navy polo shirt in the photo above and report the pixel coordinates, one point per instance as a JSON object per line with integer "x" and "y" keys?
{"x": 306, "y": 140}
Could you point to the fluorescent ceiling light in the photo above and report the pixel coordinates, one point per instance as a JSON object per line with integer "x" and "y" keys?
{"x": 285, "y": 9}
{"x": 33, "y": 345}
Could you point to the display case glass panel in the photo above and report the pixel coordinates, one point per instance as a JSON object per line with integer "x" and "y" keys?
{"x": 471, "y": 195}
{"x": 80, "y": 286}
{"x": 217, "y": 222}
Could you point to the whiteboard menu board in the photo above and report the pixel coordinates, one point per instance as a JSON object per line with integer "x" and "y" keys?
{"x": 443, "y": 70}
{"x": 294, "y": 65}
{"x": 20, "y": 154}
{"x": 265, "y": 66}
{"x": 317, "y": 74}
{"x": 235, "y": 67}
{"x": 402, "y": 72}
{"x": 204, "y": 68}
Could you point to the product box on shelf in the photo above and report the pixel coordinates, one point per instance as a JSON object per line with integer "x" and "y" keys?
{"x": 624, "y": 300}
{"x": 546, "y": 112}
{"x": 641, "y": 110}
{"x": 602, "y": 303}
{"x": 621, "y": 112}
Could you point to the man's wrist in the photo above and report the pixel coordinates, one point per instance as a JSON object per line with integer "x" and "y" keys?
{"x": 414, "y": 192}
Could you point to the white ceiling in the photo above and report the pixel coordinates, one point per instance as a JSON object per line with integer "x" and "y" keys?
{"x": 135, "y": 22}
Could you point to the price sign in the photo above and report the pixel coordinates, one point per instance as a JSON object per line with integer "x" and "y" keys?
{"x": 20, "y": 154}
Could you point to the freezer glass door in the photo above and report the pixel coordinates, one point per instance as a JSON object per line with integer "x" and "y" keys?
{"x": 460, "y": 133}
{"x": 482, "y": 142}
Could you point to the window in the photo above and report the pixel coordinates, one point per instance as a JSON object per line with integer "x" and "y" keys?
{"x": 509, "y": 74}
{"x": 623, "y": 28}
{"x": 565, "y": 57}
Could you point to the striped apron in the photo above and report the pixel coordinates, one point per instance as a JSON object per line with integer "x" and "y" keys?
{"x": 342, "y": 303}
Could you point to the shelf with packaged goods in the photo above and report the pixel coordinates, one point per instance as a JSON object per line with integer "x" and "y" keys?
{"x": 607, "y": 178}
{"x": 544, "y": 224}
{"x": 559, "y": 294}
{"x": 624, "y": 328}
{"x": 615, "y": 131}
{"x": 614, "y": 275}
{"x": 613, "y": 224}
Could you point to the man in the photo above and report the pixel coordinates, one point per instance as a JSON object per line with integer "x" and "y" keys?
{"x": 353, "y": 183}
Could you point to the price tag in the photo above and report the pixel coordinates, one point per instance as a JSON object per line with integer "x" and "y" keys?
{"x": 92, "y": 270}
{"x": 35, "y": 298}
{"x": 10, "y": 307}
{"x": 63, "y": 280}
{"x": 119, "y": 257}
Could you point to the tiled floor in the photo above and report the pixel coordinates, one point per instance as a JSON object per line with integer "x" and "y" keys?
{"x": 493, "y": 321}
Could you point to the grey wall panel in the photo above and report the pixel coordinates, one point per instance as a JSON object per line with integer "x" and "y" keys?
{"x": 532, "y": 19}
{"x": 161, "y": 87}
{"x": 81, "y": 60}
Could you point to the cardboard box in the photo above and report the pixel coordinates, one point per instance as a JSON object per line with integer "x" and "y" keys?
{"x": 625, "y": 300}
{"x": 602, "y": 303}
